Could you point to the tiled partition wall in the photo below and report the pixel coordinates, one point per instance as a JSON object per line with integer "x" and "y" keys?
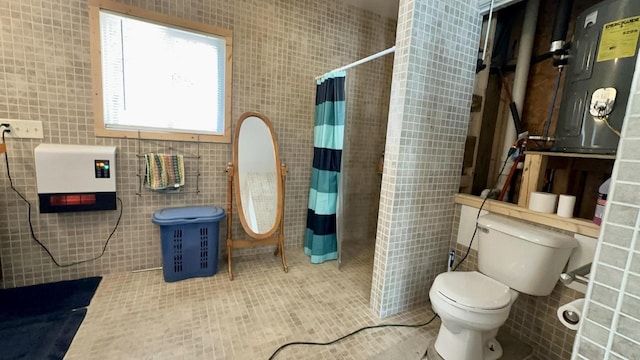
{"x": 611, "y": 329}
{"x": 433, "y": 78}
{"x": 45, "y": 74}
{"x": 532, "y": 319}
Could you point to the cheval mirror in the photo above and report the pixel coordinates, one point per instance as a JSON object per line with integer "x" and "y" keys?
{"x": 256, "y": 179}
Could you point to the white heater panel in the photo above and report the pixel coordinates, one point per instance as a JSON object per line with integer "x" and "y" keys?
{"x": 64, "y": 169}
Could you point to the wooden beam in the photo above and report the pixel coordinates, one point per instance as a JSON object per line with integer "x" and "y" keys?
{"x": 478, "y": 117}
{"x": 486, "y": 138}
{"x": 465, "y": 181}
{"x": 469, "y": 149}
{"x": 572, "y": 155}
{"x": 533, "y": 172}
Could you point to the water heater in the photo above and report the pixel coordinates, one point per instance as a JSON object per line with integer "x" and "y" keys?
{"x": 598, "y": 80}
{"x": 75, "y": 177}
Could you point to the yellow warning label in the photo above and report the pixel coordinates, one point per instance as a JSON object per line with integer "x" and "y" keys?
{"x": 619, "y": 39}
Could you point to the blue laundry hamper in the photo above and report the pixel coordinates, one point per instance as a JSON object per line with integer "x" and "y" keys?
{"x": 189, "y": 237}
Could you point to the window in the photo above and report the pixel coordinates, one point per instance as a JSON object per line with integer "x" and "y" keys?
{"x": 159, "y": 76}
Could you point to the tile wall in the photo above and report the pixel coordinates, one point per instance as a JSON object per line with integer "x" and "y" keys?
{"x": 433, "y": 78}
{"x": 279, "y": 47}
{"x": 611, "y": 329}
{"x": 532, "y": 319}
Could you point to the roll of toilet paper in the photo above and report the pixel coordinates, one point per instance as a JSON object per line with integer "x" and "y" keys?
{"x": 543, "y": 202}
{"x": 565, "y": 205}
{"x": 570, "y": 314}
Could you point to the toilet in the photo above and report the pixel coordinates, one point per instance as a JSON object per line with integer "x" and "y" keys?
{"x": 513, "y": 257}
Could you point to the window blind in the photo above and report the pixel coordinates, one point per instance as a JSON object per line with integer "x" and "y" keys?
{"x": 161, "y": 78}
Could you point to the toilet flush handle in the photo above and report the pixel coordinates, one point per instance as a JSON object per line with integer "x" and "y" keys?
{"x": 577, "y": 275}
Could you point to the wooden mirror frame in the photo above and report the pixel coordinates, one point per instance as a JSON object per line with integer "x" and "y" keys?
{"x": 275, "y": 236}
{"x": 236, "y": 174}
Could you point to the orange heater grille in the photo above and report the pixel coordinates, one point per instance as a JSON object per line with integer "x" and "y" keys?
{"x": 72, "y": 199}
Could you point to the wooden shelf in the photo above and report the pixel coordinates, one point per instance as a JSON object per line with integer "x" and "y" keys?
{"x": 579, "y": 226}
{"x": 570, "y": 173}
{"x": 572, "y": 155}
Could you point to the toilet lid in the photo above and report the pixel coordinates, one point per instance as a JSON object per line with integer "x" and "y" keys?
{"x": 473, "y": 289}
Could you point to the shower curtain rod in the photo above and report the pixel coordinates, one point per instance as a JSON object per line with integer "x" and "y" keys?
{"x": 361, "y": 61}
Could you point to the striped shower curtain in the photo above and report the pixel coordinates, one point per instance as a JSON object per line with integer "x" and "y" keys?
{"x": 320, "y": 241}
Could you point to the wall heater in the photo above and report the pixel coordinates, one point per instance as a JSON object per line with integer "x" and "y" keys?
{"x": 75, "y": 177}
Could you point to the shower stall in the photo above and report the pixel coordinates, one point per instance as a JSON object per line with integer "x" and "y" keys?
{"x": 368, "y": 89}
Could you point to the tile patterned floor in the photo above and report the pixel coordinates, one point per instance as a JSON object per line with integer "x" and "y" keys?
{"x": 139, "y": 316}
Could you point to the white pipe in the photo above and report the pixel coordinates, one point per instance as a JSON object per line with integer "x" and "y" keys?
{"x": 484, "y": 5}
{"x": 486, "y": 37}
{"x": 361, "y": 61}
{"x": 520, "y": 79}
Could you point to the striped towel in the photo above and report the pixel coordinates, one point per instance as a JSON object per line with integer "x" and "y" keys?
{"x": 164, "y": 172}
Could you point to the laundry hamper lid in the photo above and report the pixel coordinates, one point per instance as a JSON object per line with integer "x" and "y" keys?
{"x": 188, "y": 215}
{"x": 473, "y": 289}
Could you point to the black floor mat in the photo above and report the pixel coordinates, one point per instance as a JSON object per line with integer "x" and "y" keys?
{"x": 48, "y": 298}
{"x": 40, "y": 321}
{"x": 39, "y": 337}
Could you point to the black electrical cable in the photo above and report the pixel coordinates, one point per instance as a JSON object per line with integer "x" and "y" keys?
{"x": 33, "y": 235}
{"x": 478, "y": 215}
{"x": 553, "y": 103}
{"x": 349, "y": 334}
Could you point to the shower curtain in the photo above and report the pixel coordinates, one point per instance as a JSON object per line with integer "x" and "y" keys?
{"x": 320, "y": 241}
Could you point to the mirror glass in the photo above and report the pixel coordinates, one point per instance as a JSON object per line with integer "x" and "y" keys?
{"x": 258, "y": 172}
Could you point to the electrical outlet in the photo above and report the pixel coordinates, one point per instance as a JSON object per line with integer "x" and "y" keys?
{"x": 24, "y": 129}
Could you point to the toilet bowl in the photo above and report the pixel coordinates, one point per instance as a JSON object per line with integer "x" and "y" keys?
{"x": 513, "y": 257}
{"x": 472, "y": 307}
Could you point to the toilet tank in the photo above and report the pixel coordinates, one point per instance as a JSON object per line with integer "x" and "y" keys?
{"x": 524, "y": 257}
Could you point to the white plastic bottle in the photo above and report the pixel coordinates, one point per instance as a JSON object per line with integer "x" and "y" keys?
{"x": 602, "y": 201}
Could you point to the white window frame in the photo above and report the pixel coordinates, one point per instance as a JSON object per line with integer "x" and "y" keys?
{"x": 151, "y": 16}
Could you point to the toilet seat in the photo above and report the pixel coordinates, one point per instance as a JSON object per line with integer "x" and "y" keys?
{"x": 472, "y": 291}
